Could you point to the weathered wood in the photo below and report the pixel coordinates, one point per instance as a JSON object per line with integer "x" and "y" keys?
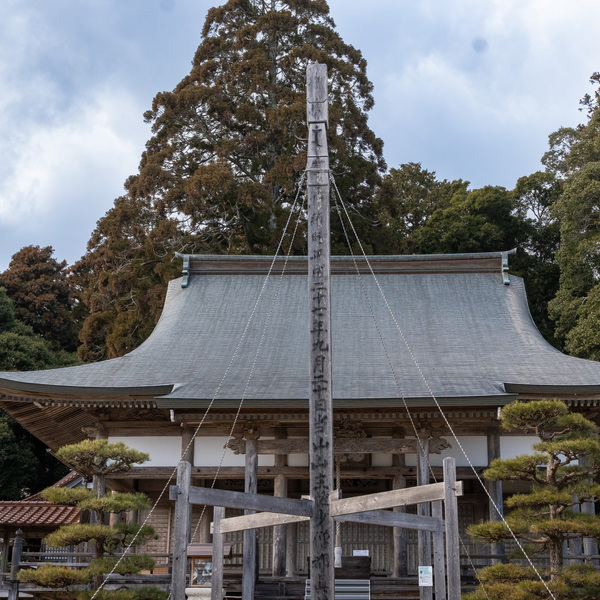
{"x": 374, "y": 517}
{"x": 340, "y": 446}
{"x": 181, "y": 531}
{"x": 279, "y": 532}
{"x": 320, "y": 384}
{"x": 494, "y": 488}
{"x": 250, "y": 557}
{"x": 13, "y": 591}
{"x": 245, "y": 501}
{"x": 400, "y": 539}
{"x": 389, "y": 518}
{"x": 291, "y": 550}
{"x": 415, "y": 495}
{"x": 452, "y": 535}
{"x": 439, "y": 566}
{"x": 216, "y": 592}
{"x": 5, "y": 551}
{"x": 590, "y": 545}
{"x": 280, "y": 490}
{"x": 348, "y": 471}
{"x": 258, "y": 520}
{"x": 187, "y": 444}
{"x": 424, "y": 509}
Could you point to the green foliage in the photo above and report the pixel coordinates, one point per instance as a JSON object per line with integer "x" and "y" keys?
{"x": 100, "y": 457}
{"x": 25, "y": 465}
{"x": 574, "y": 157}
{"x": 67, "y": 496}
{"x": 130, "y": 565}
{"x": 221, "y": 170}
{"x": 115, "y": 503}
{"x": 76, "y": 533}
{"x": 54, "y": 576}
{"x": 43, "y": 296}
{"x": 137, "y": 594}
{"x": 561, "y": 472}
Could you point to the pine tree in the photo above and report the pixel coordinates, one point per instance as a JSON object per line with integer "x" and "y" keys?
{"x": 223, "y": 165}
{"x": 97, "y": 459}
{"x": 561, "y": 473}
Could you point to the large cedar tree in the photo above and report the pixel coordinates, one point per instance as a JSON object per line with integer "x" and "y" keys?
{"x": 223, "y": 165}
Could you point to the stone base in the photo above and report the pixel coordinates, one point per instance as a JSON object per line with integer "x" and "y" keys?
{"x": 200, "y": 593}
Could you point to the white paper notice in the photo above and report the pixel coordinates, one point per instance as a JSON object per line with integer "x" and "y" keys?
{"x": 426, "y": 576}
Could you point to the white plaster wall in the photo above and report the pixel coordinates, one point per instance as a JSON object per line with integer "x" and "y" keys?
{"x": 474, "y": 445}
{"x": 208, "y": 451}
{"x": 298, "y": 460}
{"x": 164, "y": 451}
{"x": 381, "y": 460}
{"x": 515, "y": 445}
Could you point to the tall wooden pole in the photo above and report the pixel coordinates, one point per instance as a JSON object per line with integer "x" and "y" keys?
{"x": 320, "y": 398}
{"x": 250, "y": 487}
{"x": 181, "y": 530}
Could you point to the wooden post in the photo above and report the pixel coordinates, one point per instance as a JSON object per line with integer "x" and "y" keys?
{"x": 452, "y": 536}
{"x": 280, "y": 489}
{"x": 5, "y": 551}
{"x": 439, "y": 566}
{"x": 250, "y": 556}
{"x": 291, "y": 550}
{"x": 424, "y": 510}
{"x": 13, "y": 592}
{"x": 320, "y": 398}
{"x": 590, "y": 545}
{"x": 187, "y": 448}
{"x": 494, "y": 488}
{"x": 400, "y": 539}
{"x": 216, "y": 592}
{"x": 181, "y": 531}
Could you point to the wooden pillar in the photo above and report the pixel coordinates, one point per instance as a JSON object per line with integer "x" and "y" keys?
{"x": 250, "y": 487}
{"x": 292, "y": 548}
{"x": 590, "y": 545}
{"x": 216, "y": 592}
{"x": 181, "y": 531}
{"x": 494, "y": 488}
{"x": 320, "y": 398}
{"x": 280, "y": 490}
{"x": 439, "y": 564}
{"x": 452, "y": 536}
{"x": 187, "y": 446}
{"x": 400, "y": 538}
{"x": 5, "y": 552}
{"x": 424, "y": 509}
{"x": 13, "y": 592}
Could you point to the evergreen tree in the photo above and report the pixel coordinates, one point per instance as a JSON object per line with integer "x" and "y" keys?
{"x": 223, "y": 165}
{"x": 574, "y": 157}
{"x": 98, "y": 458}
{"x": 43, "y": 296}
{"x": 404, "y": 204}
{"x": 561, "y": 473}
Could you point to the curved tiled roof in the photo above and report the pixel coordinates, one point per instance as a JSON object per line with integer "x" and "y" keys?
{"x": 37, "y": 514}
{"x": 470, "y": 332}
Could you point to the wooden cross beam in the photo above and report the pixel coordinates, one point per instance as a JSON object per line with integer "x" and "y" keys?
{"x": 341, "y": 446}
{"x": 375, "y": 517}
{"x": 241, "y": 500}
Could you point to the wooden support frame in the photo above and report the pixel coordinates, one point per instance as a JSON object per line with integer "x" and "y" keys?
{"x": 241, "y": 500}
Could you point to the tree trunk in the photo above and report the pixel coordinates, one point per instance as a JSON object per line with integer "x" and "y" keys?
{"x": 556, "y": 557}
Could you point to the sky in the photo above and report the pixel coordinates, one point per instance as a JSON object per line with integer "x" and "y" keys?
{"x": 470, "y": 89}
